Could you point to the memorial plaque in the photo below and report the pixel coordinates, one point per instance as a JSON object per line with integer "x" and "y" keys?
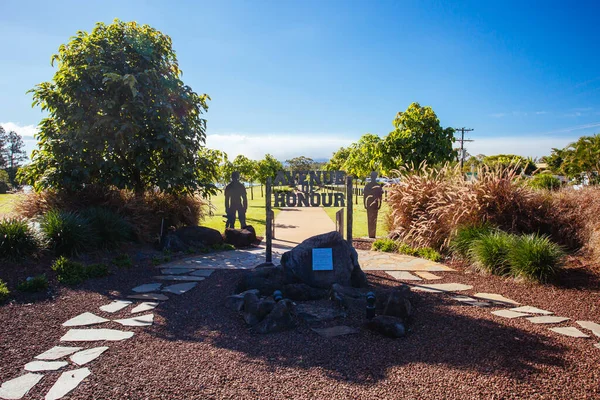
{"x": 322, "y": 260}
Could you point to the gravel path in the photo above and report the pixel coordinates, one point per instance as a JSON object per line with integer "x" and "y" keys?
{"x": 199, "y": 349}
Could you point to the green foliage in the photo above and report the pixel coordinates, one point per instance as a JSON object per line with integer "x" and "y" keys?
{"x": 404, "y": 248}
{"x": 68, "y": 232}
{"x": 123, "y": 261}
{"x": 212, "y": 168}
{"x": 97, "y": 270}
{"x": 268, "y": 167}
{"x": 5, "y": 184}
{"x": 34, "y": 284}
{"x": 535, "y": 257}
{"x": 110, "y": 229}
{"x": 301, "y": 163}
{"x": 119, "y": 115}
{"x": 364, "y": 156}
{"x": 223, "y": 247}
{"x": 544, "y": 181}
{"x": 69, "y": 272}
{"x": 338, "y": 160}
{"x": 17, "y": 240}
{"x": 489, "y": 252}
{"x": 465, "y": 236}
{"x": 4, "y": 292}
{"x": 417, "y": 137}
{"x": 12, "y": 152}
{"x": 428, "y": 253}
{"x": 510, "y": 161}
{"x": 579, "y": 160}
{"x": 386, "y": 245}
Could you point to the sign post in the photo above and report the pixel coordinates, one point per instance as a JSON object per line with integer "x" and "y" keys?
{"x": 349, "y": 209}
{"x": 269, "y": 223}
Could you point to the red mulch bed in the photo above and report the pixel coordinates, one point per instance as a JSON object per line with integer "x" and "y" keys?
{"x": 199, "y": 349}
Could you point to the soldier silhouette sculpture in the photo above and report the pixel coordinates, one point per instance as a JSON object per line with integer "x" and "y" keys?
{"x": 372, "y": 198}
{"x": 236, "y": 201}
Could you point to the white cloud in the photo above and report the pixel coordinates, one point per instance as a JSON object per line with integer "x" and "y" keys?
{"x": 526, "y": 146}
{"x": 26, "y": 131}
{"x": 282, "y": 146}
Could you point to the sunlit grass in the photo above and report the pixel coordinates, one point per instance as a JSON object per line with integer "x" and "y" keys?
{"x": 7, "y": 203}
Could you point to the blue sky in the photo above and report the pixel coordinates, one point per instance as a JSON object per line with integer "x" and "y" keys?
{"x": 305, "y": 77}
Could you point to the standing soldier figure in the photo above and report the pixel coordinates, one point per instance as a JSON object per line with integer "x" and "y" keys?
{"x": 372, "y": 197}
{"x": 235, "y": 201}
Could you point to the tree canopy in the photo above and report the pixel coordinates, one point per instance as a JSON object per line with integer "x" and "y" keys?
{"x": 579, "y": 160}
{"x": 268, "y": 167}
{"x": 364, "y": 156}
{"x": 119, "y": 115}
{"x": 417, "y": 137}
{"x": 301, "y": 163}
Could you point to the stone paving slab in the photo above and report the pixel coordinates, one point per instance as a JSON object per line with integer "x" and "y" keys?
{"x": 510, "y": 314}
{"x": 471, "y": 301}
{"x": 403, "y": 276}
{"x": 597, "y": 345}
{"x": 180, "y": 288}
{"x": 142, "y": 320}
{"x": 547, "y": 319}
{"x": 87, "y": 318}
{"x": 148, "y": 296}
{"x": 147, "y": 288}
{"x": 335, "y": 331}
{"x": 57, "y": 352}
{"x": 441, "y": 287}
{"x": 532, "y": 310}
{"x": 181, "y": 278}
{"x": 176, "y": 271}
{"x": 202, "y": 272}
{"x": 145, "y": 306}
{"x": 68, "y": 381}
{"x": 93, "y": 335}
{"x": 18, "y": 387}
{"x": 115, "y": 306}
{"x": 376, "y": 261}
{"x": 592, "y": 326}
{"x": 496, "y": 298}
{"x": 570, "y": 331}
{"x": 36, "y": 366}
{"x": 427, "y": 275}
{"x": 85, "y": 356}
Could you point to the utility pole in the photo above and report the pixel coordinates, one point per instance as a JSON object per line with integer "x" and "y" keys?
{"x": 462, "y": 140}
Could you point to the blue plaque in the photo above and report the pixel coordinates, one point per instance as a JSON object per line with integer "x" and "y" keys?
{"x": 322, "y": 260}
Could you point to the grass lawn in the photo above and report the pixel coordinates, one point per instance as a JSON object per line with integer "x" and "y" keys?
{"x": 255, "y": 215}
{"x": 7, "y": 203}
{"x": 359, "y": 220}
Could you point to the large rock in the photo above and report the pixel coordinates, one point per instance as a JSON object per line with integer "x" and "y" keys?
{"x": 279, "y": 319}
{"x": 265, "y": 279}
{"x": 297, "y": 263}
{"x": 388, "y": 326}
{"x": 198, "y": 236}
{"x": 303, "y": 292}
{"x": 172, "y": 243}
{"x": 239, "y": 238}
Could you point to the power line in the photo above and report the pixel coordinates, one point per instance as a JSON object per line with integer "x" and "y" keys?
{"x": 462, "y": 140}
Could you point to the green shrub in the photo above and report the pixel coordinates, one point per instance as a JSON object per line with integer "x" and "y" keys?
{"x": 489, "y": 252}
{"x": 67, "y": 232}
{"x": 223, "y": 247}
{"x": 17, "y": 240}
{"x": 465, "y": 236}
{"x": 69, "y": 272}
{"x": 97, "y": 270}
{"x": 4, "y": 292}
{"x": 535, "y": 257}
{"x": 123, "y": 261}
{"x": 429, "y": 254}
{"x": 385, "y": 245}
{"x": 110, "y": 228}
{"x": 544, "y": 181}
{"x": 34, "y": 284}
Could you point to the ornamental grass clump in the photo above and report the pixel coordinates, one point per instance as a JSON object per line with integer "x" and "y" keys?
{"x": 465, "y": 236}
{"x": 69, "y": 272}
{"x": 4, "y": 292}
{"x": 17, "y": 239}
{"x": 535, "y": 257}
{"x": 68, "y": 233}
{"x": 489, "y": 253}
{"x": 110, "y": 228}
{"x": 34, "y": 284}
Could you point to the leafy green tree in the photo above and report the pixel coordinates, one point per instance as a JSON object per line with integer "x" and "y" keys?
{"x": 522, "y": 164}
{"x": 12, "y": 153}
{"x": 301, "y": 163}
{"x": 338, "y": 160}
{"x": 268, "y": 167}
{"x": 364, "y": 156}
{"x": 580, "y": 160}
{"x": 2, "y": 144}
{"x": 119, "y": 115}
{"x": 247, "y": 169}
{"x": 417, "y": 137}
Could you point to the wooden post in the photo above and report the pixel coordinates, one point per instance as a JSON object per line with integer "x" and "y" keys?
{"x": 349, "y": 209}
{"x": 269, "y": 223}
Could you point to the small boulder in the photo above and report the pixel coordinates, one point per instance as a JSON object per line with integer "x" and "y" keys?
{"x": 236, "y": 302}
{"x": 398, "y": 303}
{"x": 240, "y": 238}
{"x": 172, "y": 243}
{"x": 265, "y": 279}
{"x": 255, "y": 309}
{"x": 388, "y": 326}
{"x": 199, "y": 236}
{"x": 297, "y": 263}
{"x": 303, "y": 292}
{"x": 279, "y": 319}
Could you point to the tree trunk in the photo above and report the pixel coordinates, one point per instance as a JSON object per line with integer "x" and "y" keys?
{"x": 251, "y": 191}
